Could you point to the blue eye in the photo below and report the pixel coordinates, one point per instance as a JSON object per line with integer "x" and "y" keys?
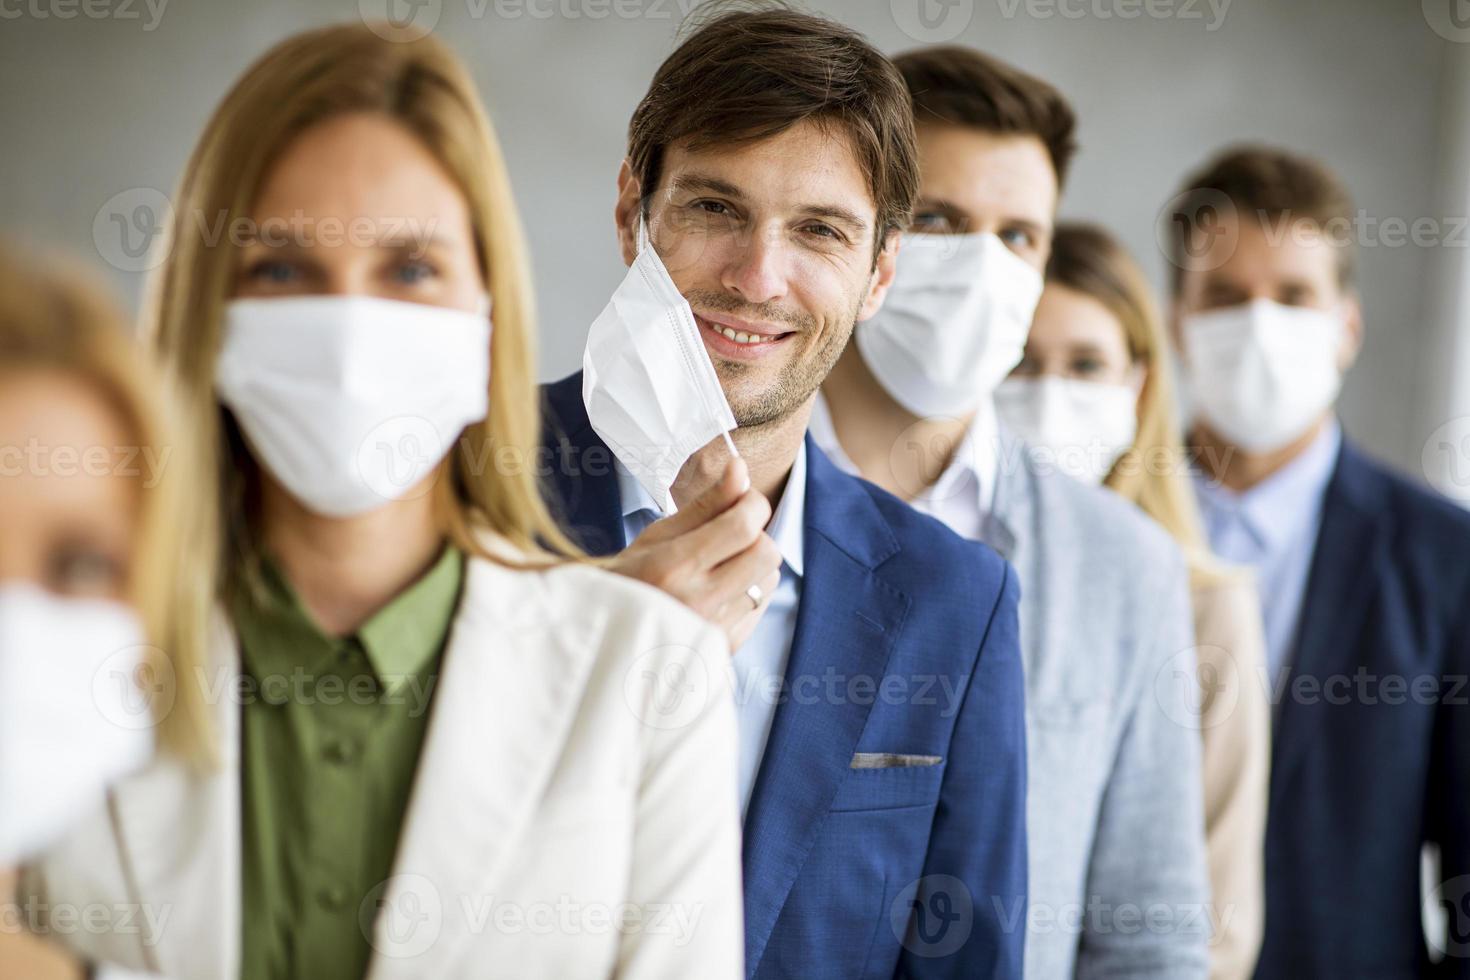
{"x": 1087, "y": 366}
{"x": 271, "y": 271}
{"x": 412, "y": 273}
{"x": 1015, "y": 238}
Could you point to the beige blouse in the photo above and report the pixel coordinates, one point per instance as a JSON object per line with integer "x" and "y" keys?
{"x": 1235, "y": 725}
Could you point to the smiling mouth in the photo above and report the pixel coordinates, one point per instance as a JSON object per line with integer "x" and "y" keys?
{"x": 741, "y": 337}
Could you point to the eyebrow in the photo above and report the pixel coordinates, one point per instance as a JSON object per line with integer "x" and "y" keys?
{"x": 936, "y": 204}
{"x": 704, "y": 182}
{"x": 406, "y": 239}
{"x": 695, "y": 181}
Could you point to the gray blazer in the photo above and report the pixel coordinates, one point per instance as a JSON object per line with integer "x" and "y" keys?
{"x": 1118, "y": 875}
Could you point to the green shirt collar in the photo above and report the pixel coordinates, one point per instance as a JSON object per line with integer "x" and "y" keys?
{"x": 402, "y": 639}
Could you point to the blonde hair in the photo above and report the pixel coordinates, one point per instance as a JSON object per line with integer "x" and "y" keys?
{"x": 58, "y": 321}
{"x": 305, "y": 80}
{"x": 1151, "y": 473}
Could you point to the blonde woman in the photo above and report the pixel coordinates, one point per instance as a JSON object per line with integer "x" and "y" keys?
{"x": 440, "y": 750}
{"x": 85, "y": 550}
{"x": 1093, "y": 393}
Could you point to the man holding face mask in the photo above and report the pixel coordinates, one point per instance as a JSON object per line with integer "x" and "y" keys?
{"x": 769, "y": 171}
{"x": 1364, "y": 585}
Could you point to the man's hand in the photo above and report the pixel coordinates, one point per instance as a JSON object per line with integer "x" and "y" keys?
{"x": 710, "y": 552}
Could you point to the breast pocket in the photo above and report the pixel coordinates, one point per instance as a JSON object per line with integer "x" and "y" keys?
{"x": 871, "y": 785}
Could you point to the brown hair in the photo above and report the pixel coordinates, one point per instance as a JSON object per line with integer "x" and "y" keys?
{"x": 1271, "y": 183}
{"x": 304, "y": 80}
{"x": 58, "y": 321}
{"x": 961, "y": 86}
{"x": 749, "y": 74}
{"x": 1151, "y": 473}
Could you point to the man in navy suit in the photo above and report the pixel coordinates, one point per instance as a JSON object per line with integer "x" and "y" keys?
{"x": 1364, "y": 581}
{"x": 879, "y": 676}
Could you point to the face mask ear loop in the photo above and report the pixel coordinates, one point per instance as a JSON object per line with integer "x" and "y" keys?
{"x": 643, "y": 241}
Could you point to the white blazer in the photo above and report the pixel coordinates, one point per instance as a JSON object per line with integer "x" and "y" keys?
{"x": 574, "y": 812}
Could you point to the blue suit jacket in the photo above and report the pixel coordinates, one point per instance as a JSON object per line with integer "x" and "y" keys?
{"x": 1359, "y": 781}
{"x": 832, "y": 853}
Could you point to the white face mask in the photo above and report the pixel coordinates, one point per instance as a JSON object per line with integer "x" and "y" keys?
{"x": 350, "y": 401}
{"x": 953, "y": 324}
{"x": 649, "y": 386}
{"x": 1084, "y": 425}
{"x": 72, "y": 717}
{"x": 1261, "y": 374}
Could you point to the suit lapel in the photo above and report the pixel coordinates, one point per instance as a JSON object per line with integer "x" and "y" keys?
{"x": 1010, "y": 529}
{"x": 1340, "y": 587}
{"x": 511, "y": 682}
{"x": 178, "y": 836}
{"x": 848, "y": 622}
{"x": 1010, "y": 506}
{"x": 584, "y": 480}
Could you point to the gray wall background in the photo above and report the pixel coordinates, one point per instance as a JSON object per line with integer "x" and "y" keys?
{"x": 110, "y": 99}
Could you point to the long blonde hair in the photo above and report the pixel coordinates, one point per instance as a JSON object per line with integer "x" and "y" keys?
{"x": 1151, "y": 473}
{"x": 306, "y": 79}
{"x": 58, "y": 321}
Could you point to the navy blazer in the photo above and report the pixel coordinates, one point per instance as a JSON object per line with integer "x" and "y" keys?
{"x": 1365, "y": 769}
{"x": 914, "y": 871}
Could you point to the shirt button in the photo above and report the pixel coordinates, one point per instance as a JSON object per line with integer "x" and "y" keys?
{"x": 340, "y": 751}
{"x": 333, "y": 898}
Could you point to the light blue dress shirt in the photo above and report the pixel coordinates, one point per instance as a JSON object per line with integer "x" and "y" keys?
{"x": 1272, "y": 528}
{"x": 760, "y": 663}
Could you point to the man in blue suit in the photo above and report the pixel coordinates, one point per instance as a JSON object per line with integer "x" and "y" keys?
{"x": 1364, "y": 582}
{"x": 879, "y": 677}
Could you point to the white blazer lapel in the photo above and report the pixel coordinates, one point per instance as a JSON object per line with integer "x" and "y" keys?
{"x": 179, "y": 840}
{"x": 508, "y": 691}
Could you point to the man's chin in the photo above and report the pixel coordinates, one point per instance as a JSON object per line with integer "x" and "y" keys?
{"x": 753, "y": 408}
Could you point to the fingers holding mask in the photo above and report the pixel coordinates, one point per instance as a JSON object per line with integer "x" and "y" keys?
{"x": 713, "y": 555}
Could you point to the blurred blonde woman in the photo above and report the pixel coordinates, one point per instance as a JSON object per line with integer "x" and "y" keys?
{"x": 443, "y": 747}
{"x": 86, "y": 548}
{"x": 1093, "y": 392}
